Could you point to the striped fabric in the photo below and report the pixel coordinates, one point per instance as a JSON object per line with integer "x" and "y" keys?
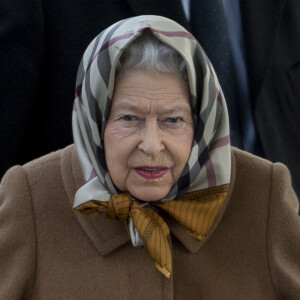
{"x": 196, "y": 211}
{"x": 209, "y": 164}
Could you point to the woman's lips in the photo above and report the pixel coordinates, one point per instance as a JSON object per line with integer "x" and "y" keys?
{"x": 151, "y": 173}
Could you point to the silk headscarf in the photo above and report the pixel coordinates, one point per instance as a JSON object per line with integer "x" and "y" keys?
{"x": 209, "y": 164}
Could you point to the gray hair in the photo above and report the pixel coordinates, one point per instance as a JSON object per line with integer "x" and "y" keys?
{"x": 147, "y": 53}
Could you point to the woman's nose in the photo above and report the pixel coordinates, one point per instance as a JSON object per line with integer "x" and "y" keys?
{"x": 151, "y": 142}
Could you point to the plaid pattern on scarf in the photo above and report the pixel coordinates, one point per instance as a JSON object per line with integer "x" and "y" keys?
{"x": 209, "y": 164}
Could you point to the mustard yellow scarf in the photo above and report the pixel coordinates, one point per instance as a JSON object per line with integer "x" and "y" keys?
{"x": 196, "y": 211}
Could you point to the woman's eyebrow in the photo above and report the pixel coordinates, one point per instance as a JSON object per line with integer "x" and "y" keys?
{"x": 170, "y": 109}
{"x": 127, "y": 106}
{"x": 176, "y": 109}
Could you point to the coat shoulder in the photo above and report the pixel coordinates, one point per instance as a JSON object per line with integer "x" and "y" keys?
{"x": 52, "y": 159}
{"x": 250, "y": 168}
{"x": 251, "y": 165}
{"x": 256, "y": 181}
{"x": 245, "y": 158}
{"x": 251, "y": 183}
{"x": 50, "y": 172}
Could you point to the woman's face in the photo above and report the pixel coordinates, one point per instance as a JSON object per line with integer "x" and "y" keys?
{"x": 149, "y": 134}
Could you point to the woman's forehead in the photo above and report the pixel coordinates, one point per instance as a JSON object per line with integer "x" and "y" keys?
{"x": 143, "y": 105}
{"x": 150, "y": 84}
{"x": 140, "y": 89}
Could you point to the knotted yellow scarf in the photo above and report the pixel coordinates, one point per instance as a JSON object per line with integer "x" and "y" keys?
{"x": 196, "y": 211}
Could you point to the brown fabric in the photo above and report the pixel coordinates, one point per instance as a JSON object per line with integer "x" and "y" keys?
{"x": 50, "y": 251}
{"x": 196, "y": 211}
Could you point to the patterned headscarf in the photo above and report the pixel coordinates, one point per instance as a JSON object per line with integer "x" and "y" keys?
{"x": 209, "y": 164}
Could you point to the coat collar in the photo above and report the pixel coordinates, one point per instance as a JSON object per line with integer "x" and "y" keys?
{"x": 108, "y": 235}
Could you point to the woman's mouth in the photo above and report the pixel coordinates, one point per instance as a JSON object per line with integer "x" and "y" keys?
{"x": 151, "y": 173}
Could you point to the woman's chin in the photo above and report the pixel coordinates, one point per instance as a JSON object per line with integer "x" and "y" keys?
{"x": 149, "y": 193}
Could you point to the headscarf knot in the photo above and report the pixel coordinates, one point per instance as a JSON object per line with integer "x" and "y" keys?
{"x": 196, "y": 211}
{"x": 118, "y": 206}
{"x": 151, "y": 227}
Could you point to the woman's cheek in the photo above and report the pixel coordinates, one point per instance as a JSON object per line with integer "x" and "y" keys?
{"x": 119, "y": 131}
{"x": 184, "y": 134}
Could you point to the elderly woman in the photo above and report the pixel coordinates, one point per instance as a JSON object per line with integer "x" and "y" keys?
{"x": 151, "y": 202}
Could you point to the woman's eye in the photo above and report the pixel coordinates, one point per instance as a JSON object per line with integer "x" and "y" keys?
{"x": 173, "y": 120}
{"x": 129, "y": 118}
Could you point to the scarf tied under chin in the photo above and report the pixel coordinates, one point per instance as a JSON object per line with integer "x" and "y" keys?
{"x": 196, "y": 211}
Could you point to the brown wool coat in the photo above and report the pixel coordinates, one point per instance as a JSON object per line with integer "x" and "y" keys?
{"x": 49, "y": 251}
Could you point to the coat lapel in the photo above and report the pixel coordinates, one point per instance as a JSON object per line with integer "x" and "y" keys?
{"x": 107, "y": 235}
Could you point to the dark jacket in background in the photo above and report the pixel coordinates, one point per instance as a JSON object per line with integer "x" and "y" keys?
{"x": 41, "y": 44}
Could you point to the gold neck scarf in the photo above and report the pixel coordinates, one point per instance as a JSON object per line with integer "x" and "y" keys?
{"x": 196, "y": 211}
